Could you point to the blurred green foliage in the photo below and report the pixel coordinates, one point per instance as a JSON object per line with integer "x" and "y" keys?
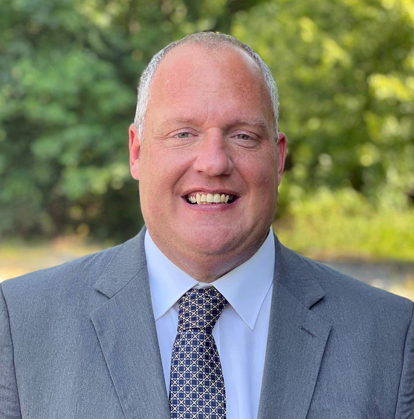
{"x": 344, "y": 225}
{"x": 68, "y": 76}
{"x": 345, "y": 70}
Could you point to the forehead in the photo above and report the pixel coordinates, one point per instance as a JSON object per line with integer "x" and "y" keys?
{"x": 192, "y": 73}
{"x": 192, "y": 61}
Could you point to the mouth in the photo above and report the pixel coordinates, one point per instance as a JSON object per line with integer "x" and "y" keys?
{"x": 202, "y": 198}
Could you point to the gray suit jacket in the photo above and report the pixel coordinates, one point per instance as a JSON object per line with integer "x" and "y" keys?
{"x": 79, "y": 341}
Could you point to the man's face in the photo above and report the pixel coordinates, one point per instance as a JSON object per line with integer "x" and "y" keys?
{"x": 208, "y": 136}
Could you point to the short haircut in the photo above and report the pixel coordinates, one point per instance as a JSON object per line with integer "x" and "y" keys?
{"x": 208, "y": 40}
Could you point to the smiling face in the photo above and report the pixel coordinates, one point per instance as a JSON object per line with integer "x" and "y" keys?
{"x": 208, "y": 166}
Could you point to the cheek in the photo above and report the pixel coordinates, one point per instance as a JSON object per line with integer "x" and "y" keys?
{"x": 155, "y": 166}
{"x": 164, "y": 170}
{"x": 266, "y": 184}
{"x": 263, "y": 173}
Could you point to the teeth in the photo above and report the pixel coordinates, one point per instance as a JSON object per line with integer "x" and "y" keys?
{"x": 209, "y": 198}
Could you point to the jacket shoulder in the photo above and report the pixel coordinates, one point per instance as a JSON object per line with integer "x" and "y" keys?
{"x": 346, "y": 294}
{"x": 78, "y": 274}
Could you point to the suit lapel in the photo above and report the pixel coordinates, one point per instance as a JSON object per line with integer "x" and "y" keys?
{"x": 296, "y": 340}
{"x": 126, "y": 331}
{"x": 125, "y": 328}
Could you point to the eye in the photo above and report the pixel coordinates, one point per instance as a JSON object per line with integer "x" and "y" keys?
{"x": 183, "y": 135}
{"x": 243, "y": 136}
{"x": 246, "y": 139}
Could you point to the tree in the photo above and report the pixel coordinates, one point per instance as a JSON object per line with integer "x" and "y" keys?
{"x": 69, "y": 71}
{"x": 345, "y": 74}
{"x": 68, "y": 77}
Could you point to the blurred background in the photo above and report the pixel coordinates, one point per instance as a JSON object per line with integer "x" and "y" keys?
{"x": 345, "y": 73}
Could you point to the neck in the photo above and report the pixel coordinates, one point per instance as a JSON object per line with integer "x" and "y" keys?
{"x": 205, "y": 267}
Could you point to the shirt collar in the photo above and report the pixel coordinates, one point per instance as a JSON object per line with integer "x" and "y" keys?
{"x": 245, "y": 287}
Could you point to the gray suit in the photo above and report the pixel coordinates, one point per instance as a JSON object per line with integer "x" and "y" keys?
{"x": 79, "y": 341}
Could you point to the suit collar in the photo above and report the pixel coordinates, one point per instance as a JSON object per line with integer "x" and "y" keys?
{"x": 296, "y": 340}
{"x": 297, "y": 274}
{"x": 293, "y": 272}
{"x": 127, "y": 262}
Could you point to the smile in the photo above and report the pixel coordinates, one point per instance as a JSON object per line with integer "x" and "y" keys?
{"x": 209, "y": 198}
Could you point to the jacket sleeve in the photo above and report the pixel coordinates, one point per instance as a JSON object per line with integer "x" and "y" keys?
{"x": 405, "y": 400}
{"x": 9, "y": 398}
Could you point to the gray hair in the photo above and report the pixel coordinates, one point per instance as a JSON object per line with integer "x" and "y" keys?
{"x": 208, "y": 40}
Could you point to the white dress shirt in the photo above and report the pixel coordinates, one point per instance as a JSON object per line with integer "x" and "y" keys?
{"x": 241, "y": 331}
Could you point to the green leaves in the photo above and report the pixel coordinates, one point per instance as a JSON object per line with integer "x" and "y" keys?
{"x": 344, "y": 71}
{"x": 69, "y": 71}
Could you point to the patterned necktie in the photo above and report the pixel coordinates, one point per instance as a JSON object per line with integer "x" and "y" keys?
{"x": 196, "y": 382}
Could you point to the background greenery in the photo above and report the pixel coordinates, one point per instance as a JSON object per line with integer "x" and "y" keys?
{"x": 345, "y": 72}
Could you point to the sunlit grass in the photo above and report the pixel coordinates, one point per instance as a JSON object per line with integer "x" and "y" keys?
{"x": 18, "y": 257}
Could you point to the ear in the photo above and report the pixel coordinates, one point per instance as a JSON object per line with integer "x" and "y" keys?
{"x": 134, "y": 152}
{"x": 281, "y": 156}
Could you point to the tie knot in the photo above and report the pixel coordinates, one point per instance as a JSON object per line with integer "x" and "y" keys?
{"x": 200, "y": 309}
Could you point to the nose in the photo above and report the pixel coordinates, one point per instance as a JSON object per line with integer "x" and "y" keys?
{"x": 213, "y": 155}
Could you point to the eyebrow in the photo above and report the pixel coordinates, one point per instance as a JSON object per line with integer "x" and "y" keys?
{"x": 176, "y": 121}
{"x": 257, "y": 122}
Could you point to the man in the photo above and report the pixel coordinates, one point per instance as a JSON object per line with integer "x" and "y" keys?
{"x": 204, "y": 314}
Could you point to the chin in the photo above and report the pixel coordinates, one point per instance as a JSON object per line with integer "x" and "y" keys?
{"x": 212, "y": 245}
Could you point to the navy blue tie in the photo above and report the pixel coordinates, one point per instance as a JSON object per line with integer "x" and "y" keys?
{"x": 196, "y": 382}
